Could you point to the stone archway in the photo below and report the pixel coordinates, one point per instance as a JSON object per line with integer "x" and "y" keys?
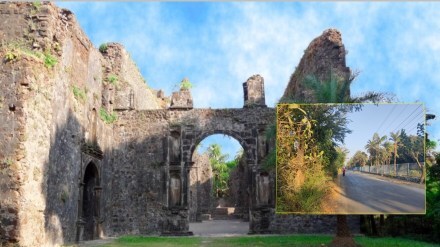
{"x": 188, "y": 128}
{"x": 90, "y": 202}
{"x": 202, "y": 202}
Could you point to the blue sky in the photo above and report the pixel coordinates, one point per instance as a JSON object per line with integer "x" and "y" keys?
{"x": 219, "y": 45}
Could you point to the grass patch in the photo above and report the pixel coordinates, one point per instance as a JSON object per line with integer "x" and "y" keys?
{"x": 112, "y": 79}
{"x": 49, "y": 60}
{"x": 79, "y": 93}
{"x": 398, "y": 242}
{"x": 15, "y": 50}
{"x": 107, "y": 117}
{"x": 284, "y": 240}
{"x": 294, "y": 240}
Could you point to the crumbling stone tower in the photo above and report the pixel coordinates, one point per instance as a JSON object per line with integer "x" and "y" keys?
{"x": 253, "y": 90}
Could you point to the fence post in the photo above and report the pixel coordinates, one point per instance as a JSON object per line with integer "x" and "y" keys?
{"x": 407, "y": 169}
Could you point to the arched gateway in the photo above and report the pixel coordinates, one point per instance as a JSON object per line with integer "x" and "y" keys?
{"x": 150, "y": 172}
{"x": 247, "y": 125}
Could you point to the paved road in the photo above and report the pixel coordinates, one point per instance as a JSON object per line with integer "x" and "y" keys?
{"x": 219, "y": 228}
{"x": 362, "y": 193}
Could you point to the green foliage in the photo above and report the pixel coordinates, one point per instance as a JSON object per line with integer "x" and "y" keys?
{"x": 107, "y": 117}
{"x": 374, "y": 147}
{"x": 185, "y": 84}
{"x": 112, "y": 79}
{"x": 64, "y": 196}
{"x": 336, "y": 90}
{"x": 36, "y": 4}
{"x": 310, "y": 140}
{"x": 221, "y": 169}
{"x": 11, "y": 55}
{"x": 391, "y": 241}
{"x": 49, "y": 60}
{"x": 14, "y": 50}
{"x": 431, "y": 144}
{"x": 103, "y": 47}
{"x": 79, "y": 93}
{"x": 270, "y": 160}
{"x": 300, "y": 175}
{"x": 311, "y": 193}
{"x": 359, "y": 159}
{"x": 296, "y": 240}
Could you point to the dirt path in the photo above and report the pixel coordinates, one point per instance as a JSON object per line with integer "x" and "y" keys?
{"x": 219, "y": 228}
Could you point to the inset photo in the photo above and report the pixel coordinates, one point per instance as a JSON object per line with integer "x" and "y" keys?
{"x": 350, "y": 158}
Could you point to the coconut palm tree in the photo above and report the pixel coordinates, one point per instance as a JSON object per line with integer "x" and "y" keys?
{"x": 389, "y": 148}
{"x": 374, "y": 147}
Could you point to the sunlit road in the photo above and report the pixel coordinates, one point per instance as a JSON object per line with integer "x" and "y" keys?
{"x": 361, "y": 193}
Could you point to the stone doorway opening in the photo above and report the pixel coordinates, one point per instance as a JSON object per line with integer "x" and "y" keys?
{"x": 90, "y": 202}
{"x": 218, "y": 183}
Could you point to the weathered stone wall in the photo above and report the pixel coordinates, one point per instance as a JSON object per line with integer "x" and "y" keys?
{"x": 238, "y": 189}
{"x": 146, "y": 153}
{"x": 200, "y": 198}
{"x": 122, "y": 76}
{"x": 323, "y": 224}
{"x": 54, "y": 121}
{"x": 47, "y": 114}
{"x": 139, "y": 173}
{"x": 323, "y": 58}
{"x": 253, "y": 90}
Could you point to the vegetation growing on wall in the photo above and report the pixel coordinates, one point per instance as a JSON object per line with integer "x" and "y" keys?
{"x": 112, "y": 79}
{"x": 103, "y": 47}
{"x": 107, "y": 117}
{"x": 78, "y": 93}
{"x": 14, "y": 50}
{"x": 185, "y": 84}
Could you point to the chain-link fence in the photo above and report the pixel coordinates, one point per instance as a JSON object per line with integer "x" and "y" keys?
{"x": 411, "y": 170}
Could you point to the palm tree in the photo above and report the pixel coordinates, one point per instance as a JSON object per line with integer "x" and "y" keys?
{"x": 374, "y": 147}
{"x": 395, "y": 137}
{"x": 219, "y": 168}
{"x": 337, "y": 90}
{"x": 389, "y": 148}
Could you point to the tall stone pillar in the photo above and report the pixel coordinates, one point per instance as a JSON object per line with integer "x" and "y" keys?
{"x": 253, "y": 90}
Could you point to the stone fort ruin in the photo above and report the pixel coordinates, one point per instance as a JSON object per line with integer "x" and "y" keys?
{"x": 69, "y": 171}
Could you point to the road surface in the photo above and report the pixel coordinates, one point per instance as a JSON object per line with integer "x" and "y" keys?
{"x": 361, "y": 193}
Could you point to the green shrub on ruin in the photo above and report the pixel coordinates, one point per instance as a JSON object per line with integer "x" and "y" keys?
{"x": 107, "y": 117}
{"x": 185, "y": 84}
{"x": 112, "y": 79}
{"x": 11, "y": 55}
{"x": 36, "y": 5}
{"x": 103, "y": 47}
{"x": 78, "y": 93}
{"x": 49, "y": 60}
